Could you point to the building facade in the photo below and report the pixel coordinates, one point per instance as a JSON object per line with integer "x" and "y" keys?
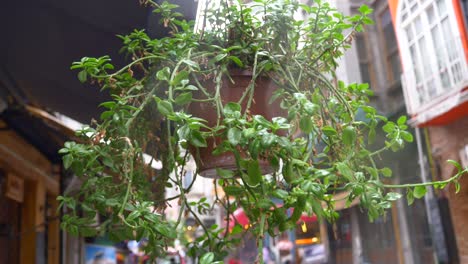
{"x": 433, "y": 44}
{"x": 422, "y": 232}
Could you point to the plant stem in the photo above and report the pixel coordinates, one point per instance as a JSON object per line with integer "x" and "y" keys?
{"x": 127, "y": 66}
{"x": 411, "y": 185}
{"x": 260, "y": 238}
{"x": 129, "y": 177}
{"x": 200, "y": 223}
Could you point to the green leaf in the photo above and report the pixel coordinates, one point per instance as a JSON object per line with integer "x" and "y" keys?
{"x": 192, "y": 64}
{"x": 310, "y": 108}
{"x": 401, "y": 120}
{"x": 280, "y": 194}
{"x": 165, "y": 230}
{"x": 233, "y": 190}
{"x": 164, "y": 74}
{"x": 261, "y": 120}
{"x": 306, "y": 124}
{"x": 456, "y": 164}
{"x": 197, "y": 139}
{"x": 387, "y": 172}
{"x": 367, "y": 21}
{"x": 165, "y": 107}
{"x": 106, "y": 114}
{"x": 371, "y": 136}
{"x": 389, "y": 127}
{"x": 410, "y": 196}
{"x": 67, "y": 161}
{"x": 248, "y": 133}
{"x": 236, "y": 60}
{"x": 406, "y": 136}
{"x": 266, "y": 204}
{"x": 365, "y": 10}
{"x": 288, "y": 172}
{"x": 133, "y": 215}
{"x": 230, "y": 108}
{"x": 234, "y": 135}
{"x": 183, "y": 98}
{"x": 254, "y": 172}
{"x": 457, "y": 186}
{"x": 419, "y": 191}
{"x": 237, "y": 229}
{"x": 63, "y": 151}
{"x": 183, "y": 75}
{"x": 329, "y": 131}
{"x": 82, "y": 76}
{"x": 191, "y": 87}
{"x": 349, "y": 135}
{"x": 108, "y": 105}
{"x": 392, "y": 196}
{"x": 220, "y": 57}
{"x": 207, "y": 258}
{"x": 440, "y": 185}
{"x": 344, "y": 170}
{"x": 268, "y": 140}
{"x": 224, "y": 173}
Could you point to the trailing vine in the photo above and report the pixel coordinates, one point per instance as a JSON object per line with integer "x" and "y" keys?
{"x": 317, "y": 149}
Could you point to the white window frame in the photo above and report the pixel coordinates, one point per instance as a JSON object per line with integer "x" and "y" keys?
{"x": 414, "y": 106}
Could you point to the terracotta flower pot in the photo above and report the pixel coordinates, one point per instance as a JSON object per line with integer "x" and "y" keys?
{"x": 232, "y": 92}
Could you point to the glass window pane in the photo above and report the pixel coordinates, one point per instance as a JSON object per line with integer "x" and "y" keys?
{"x": 409, "y": 33}
{"x": 414, "y": 7}
{"x": 361, "y": 47}
{"x": 385, "y": 18}
{"x": 404, "y": 15}
{"x": 431, "y": 88}
{"x": 439, "y": 48}
{"x": 426, "y": 59}
{"x": 415, "y": 60}
{"x": 418, "y": 25}
{"x": 457, "y": 72}
{"x": 445, "y": 79}
{"x": 431, "y": 16}
{"x": 396, "y": 66}
{"x": 390, "y": 39}
{"x": 421, "y": 94}
{"x": 441, "y": 5}
{"x": 365, "y": 75}
{"x": 448, "y": 38}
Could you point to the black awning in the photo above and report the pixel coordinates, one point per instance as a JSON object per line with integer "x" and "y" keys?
{"x": 46, "y": 136}
{"x": 41, "y": 38}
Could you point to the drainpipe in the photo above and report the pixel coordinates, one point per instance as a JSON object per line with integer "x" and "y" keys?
{"x": 432, "y": 210}
{"x": 356, "y": 238}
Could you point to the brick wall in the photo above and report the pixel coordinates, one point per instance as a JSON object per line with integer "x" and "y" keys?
{"x": 446, "y": 142}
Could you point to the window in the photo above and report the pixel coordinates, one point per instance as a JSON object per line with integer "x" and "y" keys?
{"x": 364, "y": 57}
{"x": 392, "y": 57}
{"x": 430, "y": 49}
{"x": 383, "y": 70}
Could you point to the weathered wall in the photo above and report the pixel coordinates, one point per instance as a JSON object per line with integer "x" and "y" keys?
{"x": 446, "y": 142}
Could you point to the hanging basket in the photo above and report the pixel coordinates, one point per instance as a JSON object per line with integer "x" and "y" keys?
{"x": 232, "y": 91}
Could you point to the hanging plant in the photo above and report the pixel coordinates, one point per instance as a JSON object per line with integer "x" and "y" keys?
{"x": 298, "y": 142}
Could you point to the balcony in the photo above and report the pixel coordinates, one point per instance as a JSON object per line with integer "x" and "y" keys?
{"x": 436, "y": 85}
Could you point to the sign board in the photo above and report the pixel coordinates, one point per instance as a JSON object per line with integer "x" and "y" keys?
{"x": 97, "y": 254}
{"x": 14, "y": 188}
